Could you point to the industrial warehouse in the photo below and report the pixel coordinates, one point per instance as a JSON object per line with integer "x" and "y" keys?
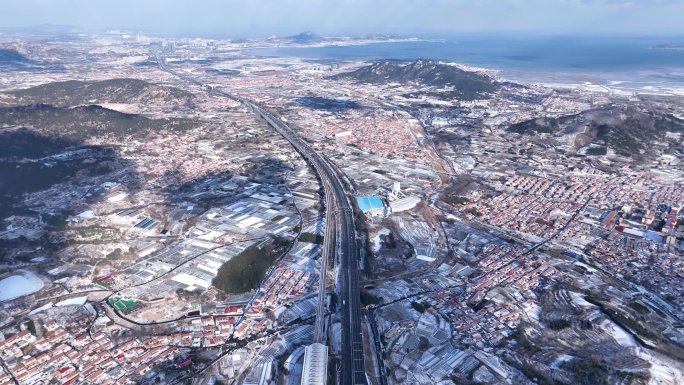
{"x": 375, "y": 206}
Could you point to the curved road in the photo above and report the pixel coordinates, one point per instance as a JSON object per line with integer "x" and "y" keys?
{"x": 353, "y": 371}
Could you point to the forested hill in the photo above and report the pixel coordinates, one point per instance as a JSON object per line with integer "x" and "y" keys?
{"x": 466, "y": 85}
{"x": 73, "y": 93}
{"x": 85, "y": 121}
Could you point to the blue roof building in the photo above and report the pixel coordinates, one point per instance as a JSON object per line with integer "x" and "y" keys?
{"x": 371, "y": 205}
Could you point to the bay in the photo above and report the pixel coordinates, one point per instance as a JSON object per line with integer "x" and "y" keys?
{"x": 634, "y": 60}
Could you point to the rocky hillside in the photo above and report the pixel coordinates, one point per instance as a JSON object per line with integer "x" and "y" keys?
{"x": 22, "y": 170}
{"x": 10, "y": 56}
{"x": 462, "y": 84}
{"x": 626, "y": 131}
{"x": 82, "y": 122}
{"x": 74, "y": 93}
{"x": 11, "y": 60}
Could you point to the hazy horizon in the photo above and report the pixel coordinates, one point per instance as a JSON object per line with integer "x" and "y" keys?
{"x": 354, "y": 17}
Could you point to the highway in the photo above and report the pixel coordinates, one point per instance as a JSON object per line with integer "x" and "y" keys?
{"x": 328, "y": 245}
{"x": 353, "y": 371}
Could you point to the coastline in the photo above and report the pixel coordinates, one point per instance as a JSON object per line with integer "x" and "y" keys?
{"x": 609, "y": 83}
{"x": 653, "y": 78}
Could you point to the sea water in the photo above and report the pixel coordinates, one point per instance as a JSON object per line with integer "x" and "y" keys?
{"x": 636, "y": 60}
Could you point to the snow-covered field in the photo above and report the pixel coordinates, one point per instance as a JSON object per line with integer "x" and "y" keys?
{"x": 80, "y": 301}
{"x": 621, "y": 336}
{"x": 664, "y": 370}
{"x": 562, "y": 358}
{"x": 533, "y": 311}
{"x": 579, "y": 299}
{"x": 19, "y": 285}
{"x": 48, "y": 305}
{"x": 87, "y": 214}
{"x": 117, "y": 198}
{"x": 377, "y": 242}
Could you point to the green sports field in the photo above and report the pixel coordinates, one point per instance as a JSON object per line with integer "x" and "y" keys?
{"x": 123, "y": 304}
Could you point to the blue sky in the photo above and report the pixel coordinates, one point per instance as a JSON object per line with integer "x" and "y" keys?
{"x": 250, "y": 18}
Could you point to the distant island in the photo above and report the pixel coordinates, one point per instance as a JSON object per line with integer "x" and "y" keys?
{"x": 670, "y": 46}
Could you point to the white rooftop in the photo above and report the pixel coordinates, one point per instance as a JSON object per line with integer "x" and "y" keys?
{"x": 315, "y": 369}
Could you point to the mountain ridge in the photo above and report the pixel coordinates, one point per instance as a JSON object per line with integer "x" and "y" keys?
{"x": 627, "y": 131}
{"x": 75, "y": 92}
{"x": 306, "y": 37}
{"x": 465, "y": 85}
{"x": 82, "y": 122}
